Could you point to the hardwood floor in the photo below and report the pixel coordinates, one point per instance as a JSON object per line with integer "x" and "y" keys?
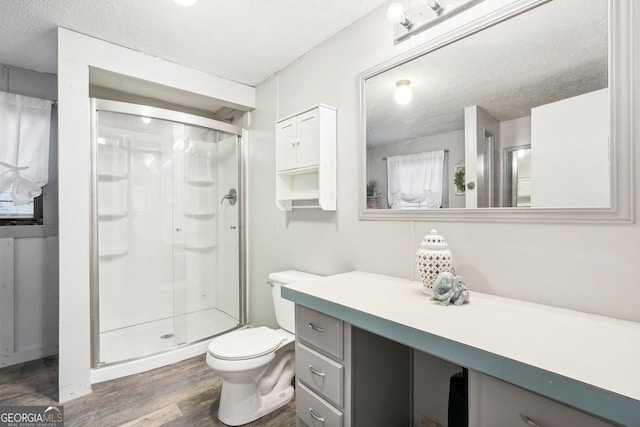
{"x": 184, "y": 394}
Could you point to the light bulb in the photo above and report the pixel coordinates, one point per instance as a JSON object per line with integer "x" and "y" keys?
{"x": 403, "y": 93}
{"x": 185, "y": 2}
{"x": 395, "y": 13}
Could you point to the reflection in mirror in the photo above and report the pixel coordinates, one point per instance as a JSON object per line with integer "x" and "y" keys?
{"x": 517, "y": 176}
{"x": 522, "y": 107}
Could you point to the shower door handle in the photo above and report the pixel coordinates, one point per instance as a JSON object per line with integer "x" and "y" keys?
{"x": 231, "y": 196}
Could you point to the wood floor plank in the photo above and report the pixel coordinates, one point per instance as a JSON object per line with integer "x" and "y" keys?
{"x": 31, "y": 381}
{"x": 156, "y": 418}
{"x": 144, "y": 399}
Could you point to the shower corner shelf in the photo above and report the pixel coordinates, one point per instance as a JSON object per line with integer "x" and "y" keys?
{"x": 199, "y": 246}
{"x": 200, "y": 214}
{"x": 306, "y": 159}
{"x": 112, "y": 175}
{"x": 204, "y": 182}
{"x": 112, "y": 252}
{"x": 112, "y": 214}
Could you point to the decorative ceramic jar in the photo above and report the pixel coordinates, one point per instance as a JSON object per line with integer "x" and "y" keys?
{"x": 432, "y": 258}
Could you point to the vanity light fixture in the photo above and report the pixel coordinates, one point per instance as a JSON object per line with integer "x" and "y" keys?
{"x": 423, "y": 15}
{"x": 436, "y": 6}
{"x": 186, "y": 2}
{"x": 395, "y": 15}
{"x": 403, "y": 93}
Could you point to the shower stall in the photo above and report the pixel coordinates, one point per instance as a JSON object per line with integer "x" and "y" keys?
{"x": 167, "y": 231}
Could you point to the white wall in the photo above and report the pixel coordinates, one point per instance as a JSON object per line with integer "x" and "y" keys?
{"x": 29, "y": 254}
{"x": 76, "y": 55}
{"x": 592, "y": 268}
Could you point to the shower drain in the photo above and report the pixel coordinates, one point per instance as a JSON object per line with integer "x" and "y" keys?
{"x": 165, "y": 336}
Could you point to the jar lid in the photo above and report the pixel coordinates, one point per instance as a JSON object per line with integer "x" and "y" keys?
{"x": 433, "y": 241}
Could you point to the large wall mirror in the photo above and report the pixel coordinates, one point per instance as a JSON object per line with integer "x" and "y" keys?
{"x": 522, "y": 114}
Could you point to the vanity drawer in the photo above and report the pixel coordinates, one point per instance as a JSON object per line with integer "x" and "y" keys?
{"x": 319, "y": 330}
{"x": 314, "y": 411}
{"x": 501, "y": 405}
{"x": 320, "y": 373}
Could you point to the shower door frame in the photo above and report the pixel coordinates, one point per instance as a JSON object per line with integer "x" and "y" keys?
{"x": 177, "y": 117}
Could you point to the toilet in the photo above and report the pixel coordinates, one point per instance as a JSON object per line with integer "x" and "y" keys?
{"x": 257, "y": 364}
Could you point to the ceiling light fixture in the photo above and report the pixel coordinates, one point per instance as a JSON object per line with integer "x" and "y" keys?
{"x": 186, "y": 2}
{"x": 403, "y": 93}
{"x": 145, "y": 120}
{"x": 395, "y": 15}
{"x": 422, "y": 15}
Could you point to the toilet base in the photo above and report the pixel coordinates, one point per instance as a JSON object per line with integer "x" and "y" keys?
{"x": 251, "y": 396}
{"x": 237, "y": 414}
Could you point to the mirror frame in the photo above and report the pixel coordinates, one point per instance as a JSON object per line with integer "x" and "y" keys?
{"x": 621, "y": 70}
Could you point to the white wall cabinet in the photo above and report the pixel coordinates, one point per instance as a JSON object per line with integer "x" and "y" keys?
{"x": 306, "y": 159}
{"x": 298, "y": 140}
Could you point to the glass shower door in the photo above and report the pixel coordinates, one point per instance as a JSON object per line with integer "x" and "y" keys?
{"x": 207, "y": 303}
{"x": 168, "y": 269}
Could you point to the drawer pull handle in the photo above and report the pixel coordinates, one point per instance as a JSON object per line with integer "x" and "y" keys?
{"x": 315, "y": 416}
{"x": 316, "y": 372}
{"x": 528, "y": 421}
{"x": 316, "y": 328}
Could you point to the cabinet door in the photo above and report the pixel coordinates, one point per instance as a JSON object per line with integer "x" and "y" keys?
{"x": 286, "y": 144}
{"x": 308, "y": 136}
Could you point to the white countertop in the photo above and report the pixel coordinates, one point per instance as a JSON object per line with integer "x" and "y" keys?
{"x": 599, "y": 351}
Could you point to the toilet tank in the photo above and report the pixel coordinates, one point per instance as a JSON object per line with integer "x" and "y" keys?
{"x": 285, "y": 309}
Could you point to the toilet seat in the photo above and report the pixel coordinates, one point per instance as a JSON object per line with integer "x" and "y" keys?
{"x": 245, "y": 344}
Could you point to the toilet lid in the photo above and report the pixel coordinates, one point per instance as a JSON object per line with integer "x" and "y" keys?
{"x": 245, "y": 343}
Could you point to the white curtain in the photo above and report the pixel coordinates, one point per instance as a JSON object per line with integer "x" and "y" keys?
{"x": 25, "y": 125}
{"x": 415, "y": 180}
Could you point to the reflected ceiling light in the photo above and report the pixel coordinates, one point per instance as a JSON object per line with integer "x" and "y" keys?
{"x": 186, "y": 2}
{"x": 395, "y": 15}
{"x": 403, "y": 93}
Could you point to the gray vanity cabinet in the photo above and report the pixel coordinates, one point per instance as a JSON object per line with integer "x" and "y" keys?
{"x": 346, "y": 376}
{"x": 323, "y": 369}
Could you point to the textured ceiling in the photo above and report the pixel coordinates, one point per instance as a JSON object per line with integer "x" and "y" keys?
{"x": 241, "y": 40}
{"x": 555, "y": 51}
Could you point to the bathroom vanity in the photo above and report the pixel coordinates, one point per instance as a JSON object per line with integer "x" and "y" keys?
{"x": 551, "y": 365}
